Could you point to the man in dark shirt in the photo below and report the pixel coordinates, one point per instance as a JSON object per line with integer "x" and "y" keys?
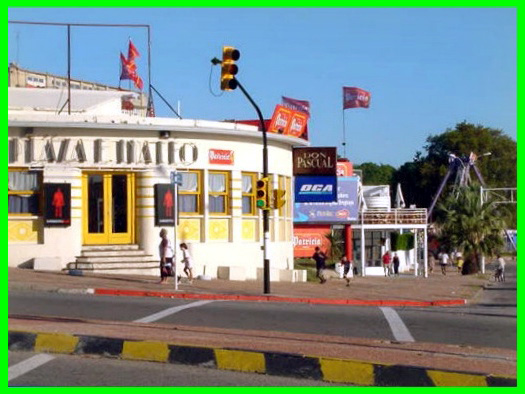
{"x": 319, "y": 258}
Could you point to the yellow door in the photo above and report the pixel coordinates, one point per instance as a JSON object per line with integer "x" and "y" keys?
{"x": 108, "y": 202}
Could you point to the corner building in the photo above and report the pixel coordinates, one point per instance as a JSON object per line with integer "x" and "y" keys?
{"x": 113, "y": 161}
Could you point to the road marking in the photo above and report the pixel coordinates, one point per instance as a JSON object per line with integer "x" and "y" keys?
{"x": 27, "y": 365}
{"x": 397, "y": 326}
{"x": 170, "y": 311}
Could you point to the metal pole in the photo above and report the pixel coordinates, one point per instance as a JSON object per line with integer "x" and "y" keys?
{"x": 69, "y": 69}
{"x": 266, "y": 213}
{"x": 175, "y": 236}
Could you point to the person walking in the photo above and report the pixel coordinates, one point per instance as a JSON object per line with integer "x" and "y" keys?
{"x": 395, "y": 260}
{"x": 187, "y": 261}
{"x": 443, "y": 262}
{"x": 386, "y": 263}
{"x": 459, "y": 262}
{"x": 499, "y": 274}
{"x": 347, "y": 269}
{"x": 320, "y": 259}
{"x": 166, "y": 256}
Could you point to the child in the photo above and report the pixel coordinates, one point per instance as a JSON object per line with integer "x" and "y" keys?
{"x": 187, "y": 261}
{"x": 347, "y": 273}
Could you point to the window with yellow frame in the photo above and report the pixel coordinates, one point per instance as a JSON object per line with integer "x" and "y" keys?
{"x": 189, "y": 193}
{"x": 218, "y": 192}
{"x": 285, "y": 184}
{"x": 24, "y": 189}
{"x": 248, "y": 193}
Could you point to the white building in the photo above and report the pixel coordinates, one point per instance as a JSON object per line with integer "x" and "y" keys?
{"x": 112, "y": 160}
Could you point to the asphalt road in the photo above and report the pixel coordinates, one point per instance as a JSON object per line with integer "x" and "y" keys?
{"x": 492, "y": 323}
{"x": 71, "y": 371}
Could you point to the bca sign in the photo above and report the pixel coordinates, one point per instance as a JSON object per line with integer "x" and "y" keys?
{"x": 315, "y": 189}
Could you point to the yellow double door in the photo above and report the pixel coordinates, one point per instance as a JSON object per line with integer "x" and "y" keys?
{"x": 108, "y": 206}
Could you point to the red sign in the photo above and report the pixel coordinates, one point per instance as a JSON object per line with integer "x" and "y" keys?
{"x": 218, "y": 156}
{"x": 355, "y": 98}
{"x": 344, "y": 168}
{"x": 286, "y": 121}
{"x": 306, "y": 239}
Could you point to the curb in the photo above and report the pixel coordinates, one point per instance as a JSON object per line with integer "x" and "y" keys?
{"x": 233, "y": 297}
{"x": 271, "y": 363}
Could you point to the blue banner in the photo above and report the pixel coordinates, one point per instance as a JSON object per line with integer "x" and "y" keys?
{"x": 315, "y": 188}
{"x": 343, "y": 211}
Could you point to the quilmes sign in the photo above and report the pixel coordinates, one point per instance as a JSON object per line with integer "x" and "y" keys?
{"x": 315, "y": 188}
{"x": 315, "y": 161}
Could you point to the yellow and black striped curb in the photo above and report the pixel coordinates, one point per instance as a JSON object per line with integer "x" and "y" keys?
{"x": 272, "y": 363}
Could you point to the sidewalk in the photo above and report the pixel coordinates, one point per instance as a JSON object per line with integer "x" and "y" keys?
{"x": 404, "y": 290}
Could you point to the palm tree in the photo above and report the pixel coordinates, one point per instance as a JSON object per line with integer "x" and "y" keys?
{"x": 470, "y": 226}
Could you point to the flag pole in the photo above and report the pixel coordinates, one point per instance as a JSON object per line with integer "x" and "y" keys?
{"x": 344, "y": 135}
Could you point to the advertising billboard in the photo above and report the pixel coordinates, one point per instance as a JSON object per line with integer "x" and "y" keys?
{"x": 57, "y": 198}
{"x": 344, "y": 210}
{"x": 315, "y": 161}
{"x": 315, "y": 188}
{"x": 306, "y": 239}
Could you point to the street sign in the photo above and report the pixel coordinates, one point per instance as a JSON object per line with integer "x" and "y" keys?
{"x": 176, "y": 178}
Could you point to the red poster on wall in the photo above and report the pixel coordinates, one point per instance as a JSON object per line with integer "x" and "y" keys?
{"x": 306, "y": 239}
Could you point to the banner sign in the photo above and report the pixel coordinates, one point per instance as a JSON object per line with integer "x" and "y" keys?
{"x": 164, "y": 204}
{"x": 57, "y": 197}
{"x": 315, "y": 188}
{"x": 343, "y": 211}
{"x": 355, "y": 98}
{"x": 286, "y": 121}
{"x": 345, "y": 168}
{"x": 218, "y": 156}
{"x": 315, "y": 161}
{"x": 306, "y": 239}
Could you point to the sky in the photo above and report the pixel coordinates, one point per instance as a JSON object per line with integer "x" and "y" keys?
{"x": 427, "y": 69}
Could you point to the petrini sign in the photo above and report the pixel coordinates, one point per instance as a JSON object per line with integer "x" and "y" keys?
{"x": 219, "y": 156}
{"x": 315, "y": 161}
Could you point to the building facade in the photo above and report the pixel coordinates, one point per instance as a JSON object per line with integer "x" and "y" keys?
{"x": 115, "y": 170}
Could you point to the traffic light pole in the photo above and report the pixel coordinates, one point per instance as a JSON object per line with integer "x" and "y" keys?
{"x": 266, "y": 212}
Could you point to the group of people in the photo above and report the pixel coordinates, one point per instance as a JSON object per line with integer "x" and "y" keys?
{"x": 320, "y": 264}
{"x": 167, "y": 253}
{"x": 390, "y": 264}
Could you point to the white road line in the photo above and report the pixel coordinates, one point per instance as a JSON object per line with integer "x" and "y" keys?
{"x": 170, "y": 311}
{"x": 27, "y": 365}
{"x": 397, "y": 326}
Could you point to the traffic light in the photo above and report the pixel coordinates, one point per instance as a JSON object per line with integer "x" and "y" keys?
{"x": 278, "y": 198}
{"x": 229, "y": 68}
{"x": 262, "y": 194}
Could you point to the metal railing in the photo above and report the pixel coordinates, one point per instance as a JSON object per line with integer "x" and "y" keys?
{"x": 394, "y": 216}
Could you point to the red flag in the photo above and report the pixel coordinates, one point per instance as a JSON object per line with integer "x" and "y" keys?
{"x": 355, "y": 98}
{"x": 127, "y": 69}
{"x": 132, "y": 52}
{"x": 297, "y": 105}
{"x": 139, "y": 84}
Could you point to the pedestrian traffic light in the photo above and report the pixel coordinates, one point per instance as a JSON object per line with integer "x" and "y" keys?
{"x": 278, "y": 198}
{"x": 262, "y": 194}
{"x": 229, "y": 68}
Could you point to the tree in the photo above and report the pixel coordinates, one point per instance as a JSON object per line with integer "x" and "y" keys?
{"x": 468, "y": 226}
{"x": 374, "y": 174}
{"x": 420, "y": 179}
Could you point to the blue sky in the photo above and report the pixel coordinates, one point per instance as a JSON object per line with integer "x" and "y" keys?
{"x": 427, "y": 69}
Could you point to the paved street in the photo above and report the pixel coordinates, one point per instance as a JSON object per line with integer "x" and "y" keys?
{"x": 483, "y": 331}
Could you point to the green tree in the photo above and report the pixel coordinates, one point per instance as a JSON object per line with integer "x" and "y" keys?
{"x": 468, "y": 226}
{"x": 420, "y": 178}
{"x": 374, "y": 174}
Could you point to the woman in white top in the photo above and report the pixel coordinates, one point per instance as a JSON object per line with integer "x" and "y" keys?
{"x": 187, "y": 261}
{"x": 166, "y": 257}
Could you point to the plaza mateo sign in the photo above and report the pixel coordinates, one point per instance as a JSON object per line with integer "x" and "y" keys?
{"x": 218, "y": 156}
{"x": 315, "y": 161}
